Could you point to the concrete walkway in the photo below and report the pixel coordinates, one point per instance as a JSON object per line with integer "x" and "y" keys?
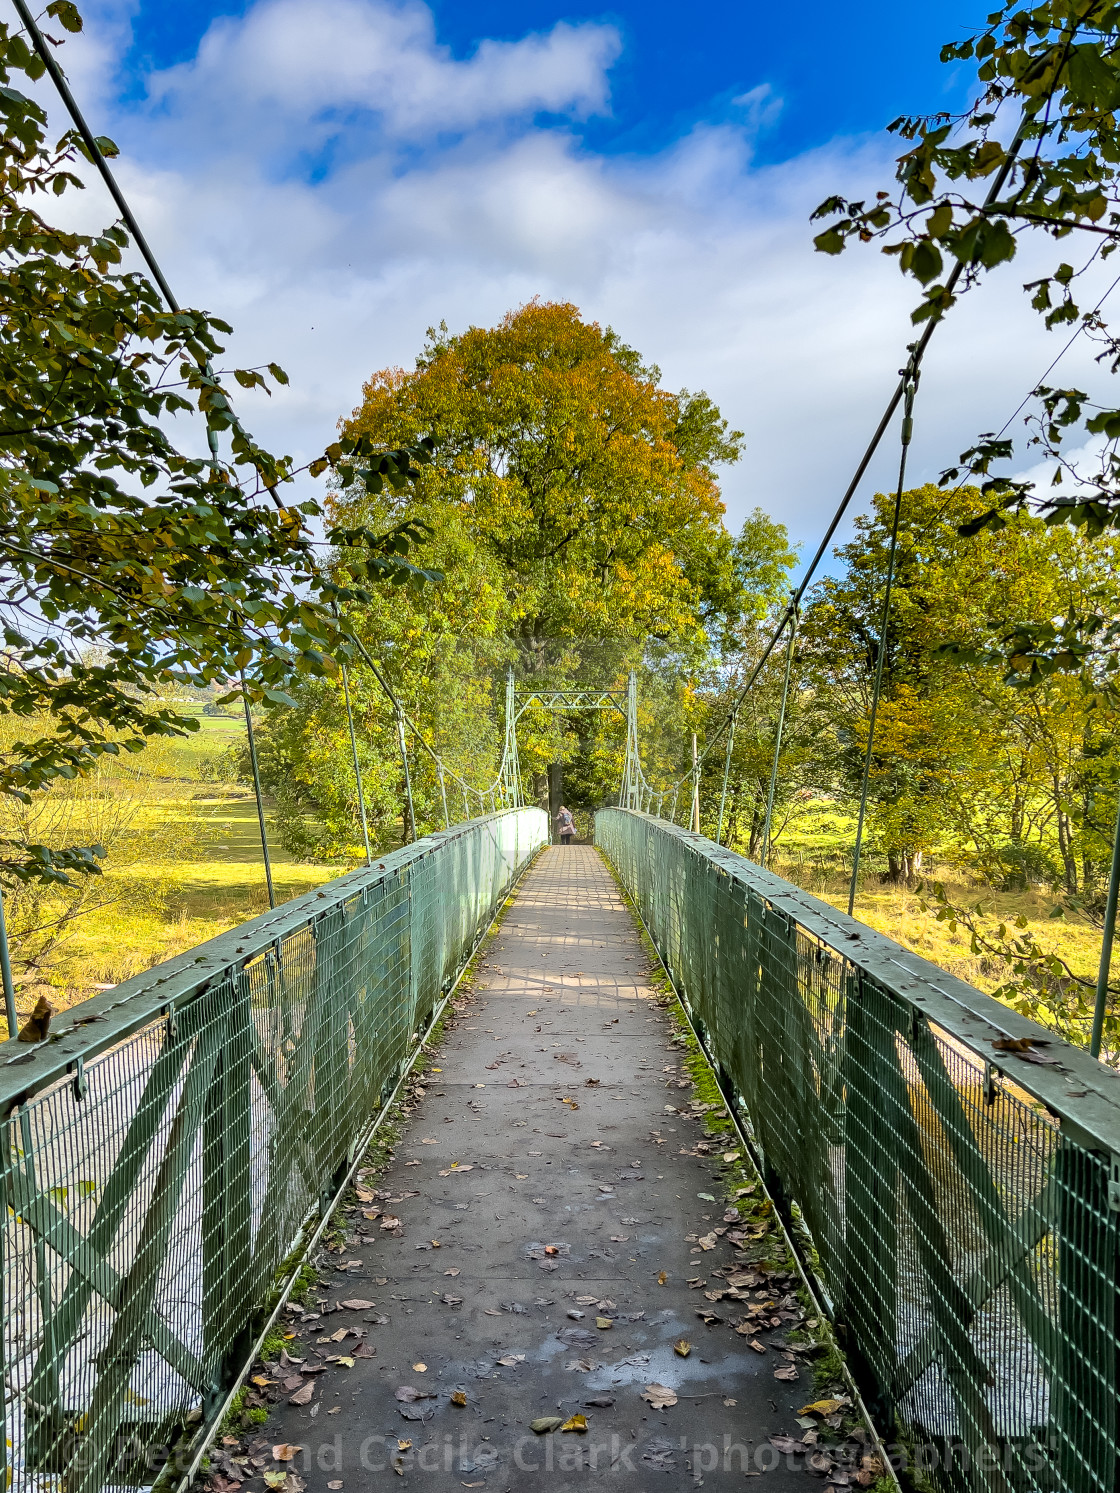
{"x": 566, "y": 1201}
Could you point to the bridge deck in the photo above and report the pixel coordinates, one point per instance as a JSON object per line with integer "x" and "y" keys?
{"x": 543, "y": 1129}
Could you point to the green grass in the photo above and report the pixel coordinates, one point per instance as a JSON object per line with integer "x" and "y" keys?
{"x": 213, "y": 882}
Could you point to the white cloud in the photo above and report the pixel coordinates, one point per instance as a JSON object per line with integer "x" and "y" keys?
{"x": 331, "y": 179}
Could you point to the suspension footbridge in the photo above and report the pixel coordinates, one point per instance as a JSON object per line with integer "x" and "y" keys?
{"x": 947, "y": 1173}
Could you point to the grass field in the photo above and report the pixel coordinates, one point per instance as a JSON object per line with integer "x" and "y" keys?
{"x": 210, "y": 877}
{"x": 214, "y": 881}
{"x": 814, "y": 851}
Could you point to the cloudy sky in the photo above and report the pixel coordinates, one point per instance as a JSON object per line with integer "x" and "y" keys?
{"x": 334, "y": 176}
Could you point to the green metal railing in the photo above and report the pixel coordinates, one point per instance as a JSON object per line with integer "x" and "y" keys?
{"x": 165, "y": 1148}
{"x": 963, "y": 1199}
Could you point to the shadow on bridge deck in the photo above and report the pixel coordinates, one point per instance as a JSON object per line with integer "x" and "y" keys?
{"x": 545, "y": 1163}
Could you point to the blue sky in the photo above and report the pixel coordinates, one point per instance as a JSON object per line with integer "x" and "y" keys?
{"x": 334, "y": 176}
{"x": 835, "y": 72}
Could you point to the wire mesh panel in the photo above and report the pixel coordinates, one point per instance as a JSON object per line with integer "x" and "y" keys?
{"x": 161, "y": 1153}
{"x": 961, "y": 1185}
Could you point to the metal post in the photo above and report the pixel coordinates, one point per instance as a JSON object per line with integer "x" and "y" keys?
{"x": 257, "y": 792}
{"x": 410, "y": 827}
{"x": 357, "y": 765}
{"x": 673, "y": 810}
{"x": 6, "y": 973}
{"x": 726, "y": 771}
{"x": 695, "y": 824}
{"x": 778, "y": 745}
{"x": 1107, "y": 937}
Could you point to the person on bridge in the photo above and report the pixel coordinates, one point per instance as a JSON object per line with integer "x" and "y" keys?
{"x": 566, "y": 825}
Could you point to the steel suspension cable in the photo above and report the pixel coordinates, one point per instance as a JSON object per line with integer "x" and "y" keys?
{"x": 876, "y": 688}
{"x": 768, "y": 822}
{"x": 258, "y": 794}
{"x": 357, "y": 764}
{"x": 917, "y": 352}
{"x": 89, "y": 140}
{"x": 726, "y": 772}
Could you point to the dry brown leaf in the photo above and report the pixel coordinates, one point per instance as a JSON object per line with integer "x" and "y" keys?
{"x": 708, "y": 1241}
{"x": 358, "y": 1304}
{"x": 285, "y": 1451}
{"x": 303, "y": 1396}
{"x": 453, "y": 1271}
{"x": 662, "y": 1278}
{"x": 789, "y": 1373}
{"x": 660, "y": 1396}
{"x": 682, "y": 1347}
{"x": 458, "y": 1397}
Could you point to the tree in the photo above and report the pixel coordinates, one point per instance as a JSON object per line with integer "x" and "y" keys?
{"x": 589, "y": 498}
{"x": 1015, "y": 783}
{"x": 127, "y": 567}
{"x": 1042, "y": 133}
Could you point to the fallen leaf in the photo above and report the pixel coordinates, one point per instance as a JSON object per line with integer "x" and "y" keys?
{"x": 823, "y": 1407}
{"x": 575, "y": 1423}
{"x": 458, "y": 1397}
{"x": 662, "y": 1278}
{"x": 619, "y": 1238}
{"x": 757, "y": 1346}
{"x": 358, "y": 1304}
{"x": 453, "y": 1271}
{"x": 786, "y": 1444}
{"x": 789, "y": 1373}
{"x": 303, "y": 1395}
{"x": 389, "y": 1222}
{"x": 601, "y": 1401}
{"x": 404, "y": 1446}
{"x": 406, "y": 1394}
{"x": 346, "y": 1362}
{"x": 604, "y": 1324}
{"x": 730, "y": 1156}
{"x": 511, "y": 1360}
{"x": 337, "y": 1337}
{"x": 660, "y": 1396}
{"x": 285, "y": 1451}
{"x": 335, "y": 1484}
{"x": 730, "y": 1403}
{"x": 545, "y": 1423}
{"x": 708, "y": 1241}
{"x": 419, "y": 1368}
{"x": 682, "y": 1347}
